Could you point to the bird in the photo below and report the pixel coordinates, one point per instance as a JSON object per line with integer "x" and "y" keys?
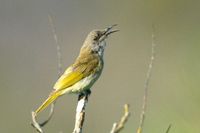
{"x": 79, "y": 77}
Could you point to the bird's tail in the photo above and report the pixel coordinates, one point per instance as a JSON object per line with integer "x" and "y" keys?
{"x": 52, "y": 97}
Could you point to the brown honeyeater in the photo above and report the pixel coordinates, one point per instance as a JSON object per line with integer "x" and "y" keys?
{"x": 80, "y": 76}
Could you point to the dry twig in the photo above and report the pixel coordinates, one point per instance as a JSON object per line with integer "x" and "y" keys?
{"x": 80, "y": 113}
{"x": 117, "y": 127}
{"x": 58, "y": 48}
{"x": 169, "y": 127}
{"x": 146, "y": 84}
{"x": 35, "y": 124}
{"x": 38, "y": 126}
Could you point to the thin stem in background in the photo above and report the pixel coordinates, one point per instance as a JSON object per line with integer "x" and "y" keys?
{"x": 34, "y": 123}
{"x": 146, "y": 84}
{"x": 58, "y": 48}
{"x": 168, "y": 129}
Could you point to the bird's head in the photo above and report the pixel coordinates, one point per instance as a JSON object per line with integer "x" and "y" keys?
{"x": 95, "y": 41}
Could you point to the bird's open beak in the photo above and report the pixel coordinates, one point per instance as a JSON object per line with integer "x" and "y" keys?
{"x": 107, "y": 32}
{"x": 110, "y": 30}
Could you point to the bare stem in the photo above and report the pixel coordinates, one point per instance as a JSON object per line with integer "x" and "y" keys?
{"x": 146, "y": 84}
{"x": 38, "y": 126}
{"x": 35, "y": 124}
{"x": 50, "y": 115}
{"x": 59, "y": 56}
{"x": 117, "y": 127}
{"x": 80, "y": 113}
{"x": 168, "y": 129}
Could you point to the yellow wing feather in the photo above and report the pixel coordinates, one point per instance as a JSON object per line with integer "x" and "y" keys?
{"x": 69, "y": 78}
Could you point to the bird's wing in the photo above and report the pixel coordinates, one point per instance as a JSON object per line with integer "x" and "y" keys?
{"x": 67, "y": 79}
{"x": 80, "y": 69}
{"x": 76, "y": 72}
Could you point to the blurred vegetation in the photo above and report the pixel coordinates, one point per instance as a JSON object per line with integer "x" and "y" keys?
{"x": 29, "y": 63}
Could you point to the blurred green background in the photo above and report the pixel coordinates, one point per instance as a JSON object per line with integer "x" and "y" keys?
{"x": 29, "y": 63}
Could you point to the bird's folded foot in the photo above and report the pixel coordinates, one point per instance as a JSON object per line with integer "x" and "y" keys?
{"x": 85, "y": 93}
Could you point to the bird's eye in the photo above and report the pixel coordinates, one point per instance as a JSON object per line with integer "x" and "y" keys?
{"x": 96, "y": 37}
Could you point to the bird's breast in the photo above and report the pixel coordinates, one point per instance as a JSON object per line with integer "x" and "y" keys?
{"x": 87, "y": 82}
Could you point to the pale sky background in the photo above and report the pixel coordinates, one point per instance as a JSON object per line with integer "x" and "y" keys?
{"x": 29, "y": 63}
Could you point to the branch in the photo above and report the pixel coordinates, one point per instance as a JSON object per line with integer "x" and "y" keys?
{"x": 80, "y": 112}
{"x": 117, "y": 127}
{"x": 169, "y": 127}
{"x": 146, "y": 84}
{"x": 38, "y": 126}
{"x": 35, "y": 124}
{"x": 59, "y": 56}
